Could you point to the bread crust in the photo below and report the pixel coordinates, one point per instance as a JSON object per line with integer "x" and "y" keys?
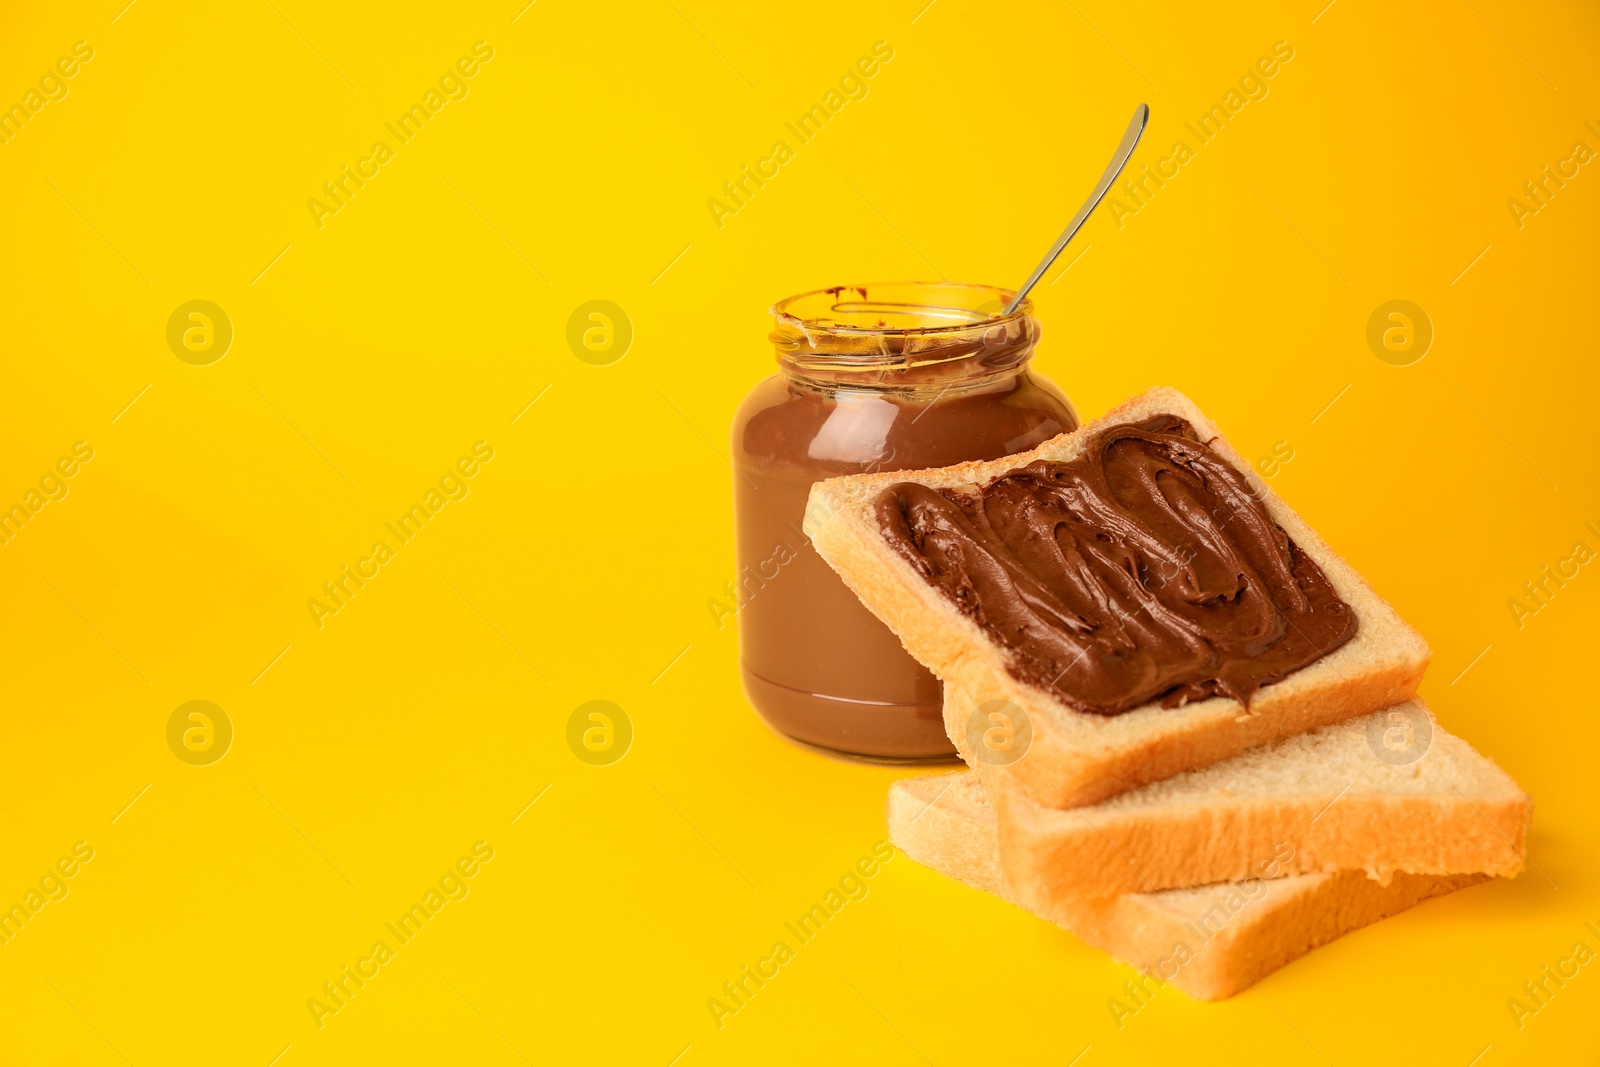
{"x": 1221, "y": 824}
{"x": 1232, "y": 935}
{"x": 1077, "y": 758}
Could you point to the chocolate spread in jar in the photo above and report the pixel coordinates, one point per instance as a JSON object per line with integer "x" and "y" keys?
{"x": 1146, "y": 568}
{"x": 817, "y": 665}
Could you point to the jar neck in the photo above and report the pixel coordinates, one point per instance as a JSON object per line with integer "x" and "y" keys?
{"x": 923, "y": 383}
{"x": 910, "y": 338}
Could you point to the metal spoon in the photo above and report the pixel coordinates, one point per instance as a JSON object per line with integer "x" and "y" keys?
{"x": 1130, "y": 138}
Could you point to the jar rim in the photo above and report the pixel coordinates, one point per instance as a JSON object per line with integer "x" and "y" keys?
{"x": 972, "y": 306}
{"x": 858, "y": 334}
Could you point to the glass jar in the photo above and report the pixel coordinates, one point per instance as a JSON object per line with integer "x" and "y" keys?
{"x": 871, "y": 378}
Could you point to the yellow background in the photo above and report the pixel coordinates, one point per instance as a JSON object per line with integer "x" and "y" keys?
{"x": 427, "y": 314}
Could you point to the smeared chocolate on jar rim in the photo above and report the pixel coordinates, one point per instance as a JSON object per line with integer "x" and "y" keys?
{"x": 1145, "y": 569}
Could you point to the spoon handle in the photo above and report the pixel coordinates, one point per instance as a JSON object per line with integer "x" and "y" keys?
{"x": 1130, "y": 139}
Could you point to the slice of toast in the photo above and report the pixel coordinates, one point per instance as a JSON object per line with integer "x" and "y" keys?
{"x": 1387, "y": 793}
{"x": 1078, "y": 758}
{"x": 1210, "y": 942}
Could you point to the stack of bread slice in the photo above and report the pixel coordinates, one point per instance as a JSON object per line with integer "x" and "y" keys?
{"x": 1207, "y": 844}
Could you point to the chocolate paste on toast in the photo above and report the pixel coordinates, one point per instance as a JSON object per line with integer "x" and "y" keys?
{"x": 1147, "y": 568}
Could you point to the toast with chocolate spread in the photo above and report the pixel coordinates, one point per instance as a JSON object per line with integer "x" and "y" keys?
{"x": 1120, "y": 604}
{"x": 1211, "y": 941}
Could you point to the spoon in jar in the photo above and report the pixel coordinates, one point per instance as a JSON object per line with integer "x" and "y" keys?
{"x": 1130, "y": 138}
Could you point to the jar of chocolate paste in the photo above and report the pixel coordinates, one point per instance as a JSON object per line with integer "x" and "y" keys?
{"x": 885, "y": 377}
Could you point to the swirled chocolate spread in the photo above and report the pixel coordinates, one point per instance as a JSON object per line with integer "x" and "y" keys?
{"x": 1146, "y": 568}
